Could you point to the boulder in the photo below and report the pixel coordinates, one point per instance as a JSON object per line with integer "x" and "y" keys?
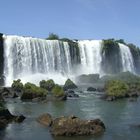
{"x": 91, "y": 89}
{"x": 100, "y": 89}
{"x": 71, "y": 94}
{"x": 69, "y": 85}
{"x": 8, "y": 92}
{"x": 45, "y": 119}
{"x": 20, "y": 118}
{"x": 6, "y": 117}
{"x": 31, "y": 91}
{"x": 91, "y": 78}
{"x": 74, "y": 126}
{"x": 5, "y": 114}
{"x": 14, "y": 95}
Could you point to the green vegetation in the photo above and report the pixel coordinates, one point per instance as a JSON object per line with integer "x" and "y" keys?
{"x": 17, "y": 85}
{"x": 120, "y": 41}
{"x": 116, "y": 88}
{"x": 109, "y": 46}
{"x": 48, "y": 85}
{"x": 53, "y": 36}
{"x": 32, "y": 91}
{"x": 58, "y": 91}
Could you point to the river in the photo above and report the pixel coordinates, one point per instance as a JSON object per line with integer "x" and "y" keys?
{"x": 120, "y": 118}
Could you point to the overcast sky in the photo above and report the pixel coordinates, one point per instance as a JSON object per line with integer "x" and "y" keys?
{"x": 75, "y": 19}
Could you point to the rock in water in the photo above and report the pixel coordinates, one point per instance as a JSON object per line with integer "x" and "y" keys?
{"x": 6, "y": 117}
{"x": 69, "y": 85}
{"x": 74, "y": 126}
{"x": 71, "y": 94}
{"x": 45, "y": 119}
{"x": 91, "y": 89}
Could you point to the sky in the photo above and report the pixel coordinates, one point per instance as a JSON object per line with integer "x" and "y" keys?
{"x": 74, "y": 19}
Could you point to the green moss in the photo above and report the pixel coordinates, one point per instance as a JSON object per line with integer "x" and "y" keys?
{"x": 17, "y": 85}
{"x": 32, "y": 91}
{"x": 58, "y": 91}
{"x": 48, "y": 85}
{"x": 116, "y": 88}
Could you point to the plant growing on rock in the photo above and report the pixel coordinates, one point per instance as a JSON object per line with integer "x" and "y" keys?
{"x": 53, "y": 36}
{"x": 116, "y": 88}
{"x": 48, "y": 85}
{"x": 17, "y": 85}
{"x": 58, "y": 91}
{"x": 31, "y": 91}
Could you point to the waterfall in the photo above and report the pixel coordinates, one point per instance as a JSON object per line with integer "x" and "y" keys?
{"x": 91, "y": 58}
{"x": 31, "y": 59}
{"x": 127, "y": 59}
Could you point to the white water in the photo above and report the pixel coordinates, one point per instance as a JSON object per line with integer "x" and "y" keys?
{"x": 127, "y": 59}
{"x": 91, "y": 57}
{"x": 32, "y": 59}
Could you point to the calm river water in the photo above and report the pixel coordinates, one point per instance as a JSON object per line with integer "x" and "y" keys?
{"x": 120, "y": 118}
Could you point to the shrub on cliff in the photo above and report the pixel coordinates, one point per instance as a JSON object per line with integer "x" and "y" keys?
{"x": 17, "y": 85}
{"x": 53, "y": 36}
{"x": 48, "y": 85}
{"x": 109, "y": 46}
{"x": 31, "y": 91}
{"x": 116, "y": 88}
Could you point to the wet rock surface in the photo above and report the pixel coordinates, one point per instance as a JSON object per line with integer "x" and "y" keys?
{"x": 6, "y": 117}
{"x": 71, "y": 125}
{"x": 45, "y": 119}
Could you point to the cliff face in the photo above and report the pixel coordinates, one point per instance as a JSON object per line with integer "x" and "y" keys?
{"x": 1, "y": 60}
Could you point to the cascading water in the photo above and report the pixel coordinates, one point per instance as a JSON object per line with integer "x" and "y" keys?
{"x": 91, "y": 57}
{"x": 127, "y": 59}
{"x": 32, "y": 59}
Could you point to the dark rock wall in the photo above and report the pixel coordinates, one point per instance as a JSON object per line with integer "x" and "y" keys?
{"x": 111, "y": 57}
{"x": 1, "y": 60}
